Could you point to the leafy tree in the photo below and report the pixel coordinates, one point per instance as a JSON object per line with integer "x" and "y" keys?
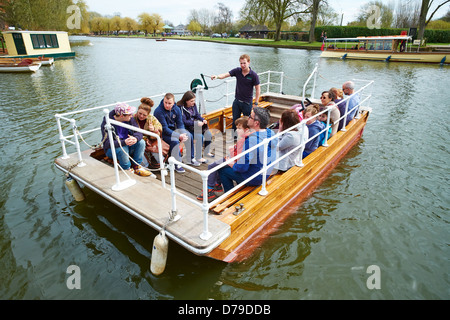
{"x": 129, "y": 24}
{"x": 194, "y": 27}
{"x": 423, "y": 21}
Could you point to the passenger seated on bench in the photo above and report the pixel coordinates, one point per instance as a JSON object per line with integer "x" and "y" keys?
{"x": 290, "y": 140}
{"x": 128, "y": 143}
{"x": 214, "y": 183}
{"x": 324, "y": 118}
{"x": 252, "y": 162}
{"x": 314, "y": 127}
{"x": 173, "y": 129}
{"x": 195, "y": 124}
{"x": 327, "y": 99}
{"x": 149, "y": 122}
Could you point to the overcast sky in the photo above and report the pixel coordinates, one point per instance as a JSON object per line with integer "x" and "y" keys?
{"x": 177, "y": 11}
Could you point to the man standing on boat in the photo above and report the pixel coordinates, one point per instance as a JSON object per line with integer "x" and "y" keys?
{"x": 252, "y": 162}
{"x": 349, "y": 89}
{"x": 128, "y": 143}
{"x": 246, "y": 80}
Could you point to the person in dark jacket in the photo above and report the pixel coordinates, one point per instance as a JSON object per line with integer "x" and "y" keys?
{"x": 128, "y": 143}
{"x": 195, "y": 124}
{"x": 174, "y": 131}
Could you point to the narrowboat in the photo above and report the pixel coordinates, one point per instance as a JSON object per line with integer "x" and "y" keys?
{"x": 380, "y": 48}
{"x": 35, "y": 44}
{"x": 231, "y": 226}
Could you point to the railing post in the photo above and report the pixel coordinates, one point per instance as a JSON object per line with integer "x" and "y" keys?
{"x": 345, "y": 116}
{"x": 281, "y": 82}
{"x": 119, "y": 185}
{"x": 205, "y": 235}
{"x": 263, "y": 191}
{"x": 77, "y": 143}
{"x": 325, "y": 144}
{"x": 268, "y": 82}
{"x": 61, "y": 137}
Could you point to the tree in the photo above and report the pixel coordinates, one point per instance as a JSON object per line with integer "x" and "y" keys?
{"x": 223, "y": 19}
{"x": 254, "y": 12}
{"x": 423, "y": 21}
{"x": 129, "y": 24}
{"x": 281, "y": 10}
{"x": 194, "y": 27}
{"x": 156, "y": 23}
{"x": 116, "y": 24}
{"x": 406, "y": 14}
{"x": 145, "y": 22}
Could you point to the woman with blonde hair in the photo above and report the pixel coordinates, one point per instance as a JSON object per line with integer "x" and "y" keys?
{"x": 149, "y": 122}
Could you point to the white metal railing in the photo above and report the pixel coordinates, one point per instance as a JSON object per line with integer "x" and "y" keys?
{"x": 313, "y": 74}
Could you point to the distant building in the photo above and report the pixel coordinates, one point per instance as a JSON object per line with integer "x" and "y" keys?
{"x": 259, "y": 31}
{"x": 180, "y": 30}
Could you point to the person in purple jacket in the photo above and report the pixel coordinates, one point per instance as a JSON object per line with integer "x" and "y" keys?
{"x": 128, "y": 143}
{"x": 246, "y": 80}
{"x": 196, "y": 125}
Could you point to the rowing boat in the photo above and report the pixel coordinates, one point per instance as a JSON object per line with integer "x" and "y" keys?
{"x": 233, "y": 225}
{"x": 17, "y": 67}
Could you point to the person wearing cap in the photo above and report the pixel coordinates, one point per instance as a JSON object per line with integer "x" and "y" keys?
{"x": 127, "y": 143}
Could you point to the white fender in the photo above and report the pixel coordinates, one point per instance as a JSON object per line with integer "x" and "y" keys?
{"x": 159, "y": 253}
{"x": 75, "y": 189}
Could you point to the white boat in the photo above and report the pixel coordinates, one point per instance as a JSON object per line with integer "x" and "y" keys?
{"x": 15, "y": 67}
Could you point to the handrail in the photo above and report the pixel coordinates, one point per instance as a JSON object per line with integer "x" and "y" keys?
{"x": 120, "y": 186}
{"x": 314, "y": 73}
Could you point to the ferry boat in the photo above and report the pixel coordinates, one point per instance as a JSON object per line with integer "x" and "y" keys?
{"x": 380, "y": 48}
{"x": 35, "y": 44}
{"x": 230, "y": 227}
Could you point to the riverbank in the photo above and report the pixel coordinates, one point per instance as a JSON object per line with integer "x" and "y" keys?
{"x": 288, "y": 44}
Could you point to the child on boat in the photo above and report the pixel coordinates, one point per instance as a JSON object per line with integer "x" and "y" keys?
{"x": 314, "y": 127}
{"x": 214, "y": 184}
{"x": 324, "y": 118}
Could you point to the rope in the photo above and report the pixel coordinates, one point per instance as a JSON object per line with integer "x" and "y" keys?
{"x": 120, "y": 145}
{"x": 329, "y": 79}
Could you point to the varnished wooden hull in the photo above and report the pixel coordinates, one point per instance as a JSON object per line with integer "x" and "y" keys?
{"x": 419, "y": 57}
{"x": 286, "y": 193}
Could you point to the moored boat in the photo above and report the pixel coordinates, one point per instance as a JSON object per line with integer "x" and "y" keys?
{"x": 35, "y": 44}
{"x": 380, "y": 48}
{"x": 231, "y": 226}
{"x": 44, "y": 61}
{"x": 21, "y": 66}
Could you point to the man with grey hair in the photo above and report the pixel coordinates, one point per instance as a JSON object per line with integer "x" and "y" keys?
{"x": 353, "y": 103}
{"x": 252, "y": 162}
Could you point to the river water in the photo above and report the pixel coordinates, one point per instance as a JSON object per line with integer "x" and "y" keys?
{"x": 385, "y": 205}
